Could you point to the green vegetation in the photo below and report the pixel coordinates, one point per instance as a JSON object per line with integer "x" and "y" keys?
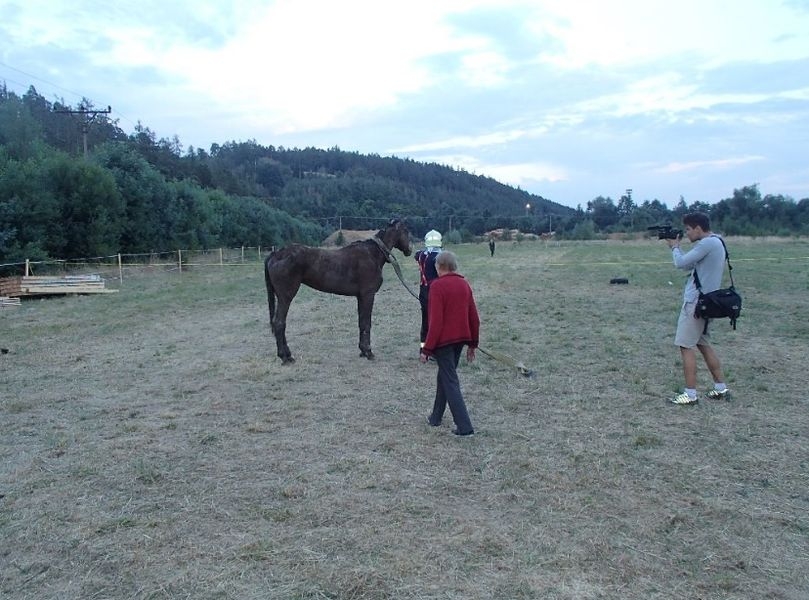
{"x": 72, "y": 188}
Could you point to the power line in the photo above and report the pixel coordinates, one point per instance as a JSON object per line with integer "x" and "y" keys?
{"x": 50, "y": 83}
{"x": 24, "y": 88}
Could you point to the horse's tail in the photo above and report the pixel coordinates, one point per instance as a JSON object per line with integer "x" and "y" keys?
{"x": 270, "y": 291}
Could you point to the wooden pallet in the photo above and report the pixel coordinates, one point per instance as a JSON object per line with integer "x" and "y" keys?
{"x": 45, "y": 285}
{"x": 6, "y": 302}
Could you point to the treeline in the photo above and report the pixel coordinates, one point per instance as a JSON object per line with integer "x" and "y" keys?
{"x": 137, "y": 193}
{"x": 746, "y": 212}
{"x": 57, "y": 204}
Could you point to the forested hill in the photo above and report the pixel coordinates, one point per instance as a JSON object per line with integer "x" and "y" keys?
{"x": 317, "y": 183}
{"x": 74, "y": 184}
{"x": 326, "y": 188}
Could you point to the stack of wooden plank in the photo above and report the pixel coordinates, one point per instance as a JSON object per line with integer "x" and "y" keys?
{"x": 5, "y": 302}
{"x": 50, "y": 285}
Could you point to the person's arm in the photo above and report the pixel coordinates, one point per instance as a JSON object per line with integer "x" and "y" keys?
{"x": 474, "y": 322}
{"x": 474, "y": 328}
{"x": 692, "y": 257}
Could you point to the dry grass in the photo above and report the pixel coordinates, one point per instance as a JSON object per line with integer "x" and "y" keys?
{"x": 153, "y": 446}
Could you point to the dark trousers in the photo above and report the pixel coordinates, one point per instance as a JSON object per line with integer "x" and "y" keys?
{"x": 424, "y": 292}
{"x": 448, "y": 388}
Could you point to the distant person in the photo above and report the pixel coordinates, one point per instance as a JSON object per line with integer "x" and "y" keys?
{"x": 426, "y": 260}
{"x": 454, "y": 323}
{"x": 706, "y": 259}
{"x": 491, "y": 246}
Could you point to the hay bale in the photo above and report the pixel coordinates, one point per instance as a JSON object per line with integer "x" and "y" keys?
{"x": 349, "y": 235}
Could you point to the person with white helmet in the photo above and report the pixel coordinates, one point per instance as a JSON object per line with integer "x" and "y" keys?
{"x": 426, "y": 260}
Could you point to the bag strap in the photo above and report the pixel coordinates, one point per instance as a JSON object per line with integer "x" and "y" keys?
{"x": 727, "y": 260}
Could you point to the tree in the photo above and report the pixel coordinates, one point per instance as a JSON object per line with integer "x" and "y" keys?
{"x": 680, "y": 210}
{"x": 602, "y": 212}
{"x": 20, "y": 132}
{"x": 31, "y": 220}
{"x": 626, "y": 211}
{"x": 146, "y": 225}
{"x": 92, "y": 210}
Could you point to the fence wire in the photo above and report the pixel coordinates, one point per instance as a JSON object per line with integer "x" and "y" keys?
{"x": 117, "y": 265}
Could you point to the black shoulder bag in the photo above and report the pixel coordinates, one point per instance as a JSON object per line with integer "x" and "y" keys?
{"x": 719, "y": 304}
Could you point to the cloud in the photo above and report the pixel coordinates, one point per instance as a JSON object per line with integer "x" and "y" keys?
{"x": 516, "y": 174}
{"x": 485, "y": 140}
{"x": 576, "y": 98}
{"x": 724, "y": 163}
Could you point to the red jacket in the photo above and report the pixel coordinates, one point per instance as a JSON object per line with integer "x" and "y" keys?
{"x": 452, "y": 314}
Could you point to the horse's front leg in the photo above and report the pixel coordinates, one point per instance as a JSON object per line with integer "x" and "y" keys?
{"x": 365, "y": 306}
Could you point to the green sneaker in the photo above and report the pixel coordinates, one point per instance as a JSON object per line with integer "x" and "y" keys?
{"x": 718, "y": 395}
{"x": 683, "y": 399}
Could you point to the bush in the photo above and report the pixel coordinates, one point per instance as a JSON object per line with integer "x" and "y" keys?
{"x": 453, "y": 237}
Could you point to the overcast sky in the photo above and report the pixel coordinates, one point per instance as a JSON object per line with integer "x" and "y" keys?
{"x": 568, "y": 99}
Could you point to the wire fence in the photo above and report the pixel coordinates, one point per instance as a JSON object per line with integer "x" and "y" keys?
{"x": 116, "y": 266}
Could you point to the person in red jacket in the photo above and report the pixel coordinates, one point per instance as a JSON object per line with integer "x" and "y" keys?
{"x": 453, "y": 324}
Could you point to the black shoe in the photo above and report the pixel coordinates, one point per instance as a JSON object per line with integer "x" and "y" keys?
{"x": 431, "y": 424}
{"x": 470, "y": 432}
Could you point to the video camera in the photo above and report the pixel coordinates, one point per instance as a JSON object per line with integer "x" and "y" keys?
{"x": 665, "y": 232}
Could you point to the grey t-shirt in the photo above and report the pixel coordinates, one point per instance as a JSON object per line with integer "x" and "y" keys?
{"x": 708, "y": 258}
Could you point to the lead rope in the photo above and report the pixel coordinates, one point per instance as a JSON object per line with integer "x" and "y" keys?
{"x": 389, "y": 257}
{"x": 503, "y": 358}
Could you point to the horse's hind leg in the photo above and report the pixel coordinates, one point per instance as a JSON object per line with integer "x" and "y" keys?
{"x": 279, "y": 328}
{"x": 365, "y": 306}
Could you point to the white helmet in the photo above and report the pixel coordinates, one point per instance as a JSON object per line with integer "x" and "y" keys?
{"x": 432, "y": 239}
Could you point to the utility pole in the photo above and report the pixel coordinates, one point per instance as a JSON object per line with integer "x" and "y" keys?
{"x": 631, "y": 209}
{"x": 88, "y": 116}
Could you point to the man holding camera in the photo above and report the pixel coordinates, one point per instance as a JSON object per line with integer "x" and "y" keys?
{"x": 707, "y": 259}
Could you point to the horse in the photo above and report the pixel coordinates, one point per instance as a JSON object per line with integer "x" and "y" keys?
{"x": 353, "y": 270}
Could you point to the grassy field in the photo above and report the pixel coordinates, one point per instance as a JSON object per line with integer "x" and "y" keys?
{"x": 153, "y": 446}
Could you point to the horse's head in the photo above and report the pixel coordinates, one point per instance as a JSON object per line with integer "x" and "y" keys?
{"x": 396, "y": 235}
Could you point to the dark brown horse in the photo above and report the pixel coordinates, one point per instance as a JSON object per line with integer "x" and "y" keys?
{"x": 353, "y": 270}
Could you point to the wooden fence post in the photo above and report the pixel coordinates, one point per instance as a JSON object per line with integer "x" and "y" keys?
{"x": 27, "y": 266}
{"x": 120, "y": 270}
{"x": 180, "y": 260}
{"x": 242, "y": 254}
{"x": 221, "y": 261}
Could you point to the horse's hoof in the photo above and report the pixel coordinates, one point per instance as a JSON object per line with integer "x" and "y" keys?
{"x": 287, "y": 361}
{"x": 369, "y": 355}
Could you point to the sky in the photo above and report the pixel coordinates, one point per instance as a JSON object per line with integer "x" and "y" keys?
{"x": 566, "y": 99}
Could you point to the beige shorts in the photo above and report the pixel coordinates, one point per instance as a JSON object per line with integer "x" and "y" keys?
{"x": 689, "y": 328}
